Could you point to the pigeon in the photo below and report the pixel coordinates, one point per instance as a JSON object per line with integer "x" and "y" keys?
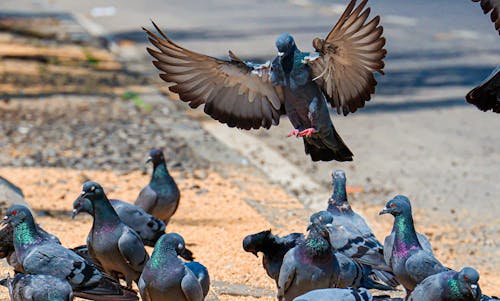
{"x": 147, "y": 226}
{"x": 486, "y": 96}
{"x": 299, "y": 84}
{"x": 117, "y": 247}
{"x": 309, "y": 265}
{"x": 25, "y": 287}
{"x": 273, "y": 249}
{"x": 161, "y": 196}
{"x": 356, "y": 275}
{"x": 449, "y": 285}
{"x": 493, "y": 7}
{"x": 166, "y": 277}
{"x": 42, "y": 256}
{"x": 409, "y": 261}
{"x": 201, "y": 273}
{"x": 339, "y": 294}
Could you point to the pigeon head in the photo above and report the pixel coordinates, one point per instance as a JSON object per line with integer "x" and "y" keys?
{"x": 254, "y": 243}
{"x": 92, "y": 190}
{"x": 17, "y": 214}
{"x": 321, "y": 218}
{"x": 397, "y": 206}
{"x": 171, "y": 241}
{"x": 81, "y": 205}
{"x": 156, "y": 156}
{"x": 285, "y": 44}
{"x": 471, "y": 277}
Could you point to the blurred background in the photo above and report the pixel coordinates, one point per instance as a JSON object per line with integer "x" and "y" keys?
{"x": 79, "y": 91}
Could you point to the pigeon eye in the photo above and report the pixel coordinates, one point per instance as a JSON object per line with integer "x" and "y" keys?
{"x": 14, "y": 212}
{"x": 466, "y": 278}
{"x": 393, "y": 205}
{"x": 78, "y": 204}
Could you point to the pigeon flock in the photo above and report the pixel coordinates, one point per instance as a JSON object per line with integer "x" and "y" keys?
{"x": 339, "y": 258}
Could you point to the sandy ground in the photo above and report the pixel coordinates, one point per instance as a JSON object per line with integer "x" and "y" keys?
{"x": 213, "y": 216}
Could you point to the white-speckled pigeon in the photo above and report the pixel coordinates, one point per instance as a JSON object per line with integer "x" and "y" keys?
{"x": 161, "y": 196}
{"x": 117, "y": 247}
{"x": 147, "y": 226}
{"x": 339, "y": 294}
{"x": 42, "y": 256}
{"x": 166, "y": 277}
{"x": 409, "y": 261}
{"x": 308, "y": 266}
{"x": 299, "y": 84}
{"x": 25, "y": 287}
{"x": 449, "y": 285}
{"x": 273, "y": 249}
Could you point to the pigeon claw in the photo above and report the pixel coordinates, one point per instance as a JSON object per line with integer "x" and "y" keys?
{"x": 307, "y": 132}
{"x": 295, "y": 132}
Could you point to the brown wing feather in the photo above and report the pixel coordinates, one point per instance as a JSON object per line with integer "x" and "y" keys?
{"x": 232, "y": 92}
{"x": 349, "y": 56}
{"x": 493, "y": 7}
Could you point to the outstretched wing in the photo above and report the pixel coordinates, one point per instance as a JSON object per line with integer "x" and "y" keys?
{"x": 492, "y": 6}
{"x": 348, "y": 57}
{"x": 234, "y": 92}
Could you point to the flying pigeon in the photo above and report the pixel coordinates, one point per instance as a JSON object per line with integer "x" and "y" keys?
{"x": 146, "y": 225}
{"x": 449, "y": 285}
{"x": 486, "y": 96}
{"x": 273, "y": 249}
{"x": 409, "y": 261}
{"x": 117, "y": 247}
{"x": 42, "y": 256}
{"x": 166, "y": 277}
{"x": 160, "y": 197}
{"x": 339, "y": 294}
{"x": 493, "y": 7}
{"x": 299, "y": 84}
{"x": 309, "y": 265}
{"x": 24, "y": 287}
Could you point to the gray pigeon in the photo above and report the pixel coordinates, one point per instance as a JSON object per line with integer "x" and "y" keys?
{"x": 409, "y": 261}
{"x": 166, "y": 277}
{"x": 161, "y": 196}
{"x": 308, "y": 266}
{"x": 7, "y": 245}
{"x": 339, "y": 294}
{"x": 449, "y": 285}
{"x": 486, "y": 96}
{"x": 493, "y": 7}
{"x": 24, "y": 287}
{"x": 117, "y": 247}
{"x": 299, "y": 84}
{"x": 147, "y": 226}
{"x": 273, "y": 249}
{"x": 42, "y": 256}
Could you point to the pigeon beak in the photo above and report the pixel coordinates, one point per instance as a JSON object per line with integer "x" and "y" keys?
{"x": 281, "y": 54}
{"x": 74, "y": 213}
{"x": 5, "y": 220}
{"x": 83, "y": 194}
{"x": 384, "y": 211}
{"x": 256, "y": 254}
{"x": 309, "y": 227}
{"x": 149, "y": 159}
{"x": 474, "y": 290}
